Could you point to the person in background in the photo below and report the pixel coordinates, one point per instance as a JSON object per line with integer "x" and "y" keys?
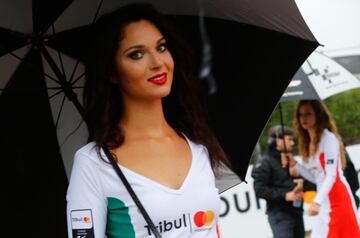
{"x": 282, "y": 192}
{"x": 352, "y": 178}
{"x": 322, "y": 150}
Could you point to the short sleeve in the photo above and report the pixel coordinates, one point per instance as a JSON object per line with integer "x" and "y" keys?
{"x": 86, "y": 204}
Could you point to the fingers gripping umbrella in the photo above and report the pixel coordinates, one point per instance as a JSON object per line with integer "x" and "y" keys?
{"x": 43, "y": 43}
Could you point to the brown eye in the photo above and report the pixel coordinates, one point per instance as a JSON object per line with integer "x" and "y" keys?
{"x": 135, "y": 55}
{"x": 162, "y": 47}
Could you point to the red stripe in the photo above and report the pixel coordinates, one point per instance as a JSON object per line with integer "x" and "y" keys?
{"x": 217, "y": 231}
{"x": 343, "y": 222}
{"x": 322, "y": 161}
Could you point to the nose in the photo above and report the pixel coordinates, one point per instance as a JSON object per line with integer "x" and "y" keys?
{"x": 155, "y": 61}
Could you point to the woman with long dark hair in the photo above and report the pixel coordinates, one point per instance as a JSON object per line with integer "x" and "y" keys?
{"x": 143, "y": 110}
{"x": 322, "y": 150}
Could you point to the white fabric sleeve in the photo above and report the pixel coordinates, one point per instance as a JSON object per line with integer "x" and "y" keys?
{"x": 331, "y": 158}
{"x": 86, "y": 204}
{"x": 304, "y": 172}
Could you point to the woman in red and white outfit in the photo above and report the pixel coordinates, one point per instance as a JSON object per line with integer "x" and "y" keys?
{"x": 322, "y": 150}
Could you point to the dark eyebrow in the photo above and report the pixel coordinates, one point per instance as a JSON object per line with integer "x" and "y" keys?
{"x": 134, "y": 47}
{"x": 141, "y": 46}
{"x": 159, "y": 40}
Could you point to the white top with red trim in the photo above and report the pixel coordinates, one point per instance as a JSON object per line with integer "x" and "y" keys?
{"x": 337, "y": 216}
{"x": 98, "y": 204}
{"x": 324, "y": 166}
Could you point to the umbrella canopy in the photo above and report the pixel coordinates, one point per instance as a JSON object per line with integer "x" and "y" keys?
{"x": 320, "y": 77}
{"x": 43, "y": 43}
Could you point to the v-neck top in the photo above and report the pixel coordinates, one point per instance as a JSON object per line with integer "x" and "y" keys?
{"x": 98, "y": 204}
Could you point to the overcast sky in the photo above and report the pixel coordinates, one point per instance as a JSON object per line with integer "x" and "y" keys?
{"x": 334, "y": 23}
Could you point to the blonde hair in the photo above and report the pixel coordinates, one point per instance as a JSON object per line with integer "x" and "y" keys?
{"x": 323, "y": 121}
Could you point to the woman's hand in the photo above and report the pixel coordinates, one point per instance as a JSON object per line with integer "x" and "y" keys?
{"x": 299, "y": 185}
{"x": 313, "y": 209}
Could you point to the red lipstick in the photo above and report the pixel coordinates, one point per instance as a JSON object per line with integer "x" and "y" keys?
{"x": 158, "y": 79}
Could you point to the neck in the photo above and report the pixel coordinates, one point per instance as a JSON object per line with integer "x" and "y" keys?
{"x": 144, "y": 119}
{"x": 312, "y": 133}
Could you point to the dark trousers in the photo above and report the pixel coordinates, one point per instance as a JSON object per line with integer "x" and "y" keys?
{"x": 286, "y": 224}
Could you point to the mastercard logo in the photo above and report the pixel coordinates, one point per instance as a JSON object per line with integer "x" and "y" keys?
{"x": 202, "y": 218}
{"x": 86, "y": 219}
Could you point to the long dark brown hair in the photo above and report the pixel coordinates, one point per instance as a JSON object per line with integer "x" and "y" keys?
{"x": 323, "y": 120}
{"x": 183, "y": 108}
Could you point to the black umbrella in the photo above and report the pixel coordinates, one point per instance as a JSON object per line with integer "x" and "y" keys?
{"x": 41, "y": 48}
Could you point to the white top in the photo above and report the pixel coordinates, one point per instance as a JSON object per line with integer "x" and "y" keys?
{"x": 98, "y": 204}
{"x": 324, "y": 166}
{"x": 337, "y": 215}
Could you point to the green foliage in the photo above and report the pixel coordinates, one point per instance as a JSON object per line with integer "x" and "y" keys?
{"x": 345, "y": 108}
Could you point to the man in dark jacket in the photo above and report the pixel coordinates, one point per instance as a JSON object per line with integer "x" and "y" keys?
{"x": 273, "y": 182}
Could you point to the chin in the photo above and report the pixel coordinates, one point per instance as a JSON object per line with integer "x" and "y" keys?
{"x": 305, "y": 127}
{"x": 165, "y": 92}
{"x": 160, "y": 94}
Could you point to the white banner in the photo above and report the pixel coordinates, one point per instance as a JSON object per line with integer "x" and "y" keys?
{"x": 242, "y": 215}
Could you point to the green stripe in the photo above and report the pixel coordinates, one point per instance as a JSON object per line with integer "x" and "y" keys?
{"x": 118, "y": 220}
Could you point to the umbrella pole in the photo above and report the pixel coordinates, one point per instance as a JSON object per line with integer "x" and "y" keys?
{"x": 282, "y": 127}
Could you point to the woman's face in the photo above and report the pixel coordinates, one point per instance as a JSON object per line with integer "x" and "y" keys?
{"x": 307, "y": 116}
{"x": 143, "y": 62}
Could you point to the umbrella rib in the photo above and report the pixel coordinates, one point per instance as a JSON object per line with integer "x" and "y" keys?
{"x": 78, "y": 78}
{"x": 53, "y": 88}
{"x": 58, "y": 52}
{"x": 60, "y": 110}
{"x": 311, "y": 68}
{"x": 73, "y": 72}
{"x": 32, "y": 89}
{"x": 97, "y": 11}
{"x": 77, "y": 62}
{"x": 33, "y": 67}
{"x": 63, "y": 82}
{"x": 55, "y": 94}
{"x": 72, "y": 133}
